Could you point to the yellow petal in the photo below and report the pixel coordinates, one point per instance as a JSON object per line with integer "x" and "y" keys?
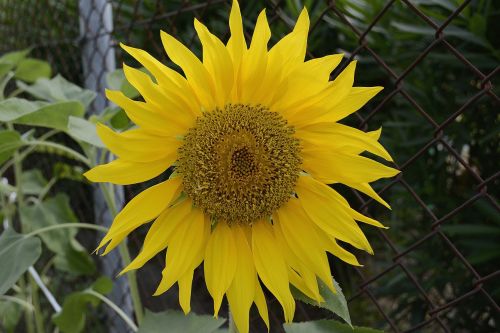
{"x": 315, "y": 108}
{"x": 141, "y": 114}
{"x": 236, "y": 44}
{"x": 334, "y": 248}
{"x": 142, "y": 208}
{"x": 169, "y": 80}
{"x": 260, "y": 302}
{"x": 241, "y": 293}
{"x": 184, "y": 247}
{"x": 218, "y": 63}
{"x": 290, "y": 51}
{"x": 196, "y": 74}
{"x": 185, "y": 283}
{"x": 137, "y": 145}
{"x": 302, "y": 239}
{"x": 327, "y": 214}
{"x": 332, "y": 167}
{"x": 172, "y": 109}
{"x": 125, "y": 172}
{"x": 220, "y": 262}
{"x": 341, "y": 138}
{"x": 368, "y": 190}
{"x": 271, "y": 266}
{"x": 160, "y": 233}
{"x": 357, "y": 97}
{"x": 308, "y": 80}
{"x": 306, "y": 282}
{"x": 254, "y": 62}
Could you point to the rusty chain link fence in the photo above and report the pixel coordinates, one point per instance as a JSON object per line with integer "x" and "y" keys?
{"x": 436, "y": 268}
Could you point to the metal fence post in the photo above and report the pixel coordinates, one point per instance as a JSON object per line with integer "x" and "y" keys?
{"x": 98, "y": 58}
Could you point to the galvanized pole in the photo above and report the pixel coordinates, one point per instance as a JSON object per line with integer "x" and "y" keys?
{"x": 98, "y": 58}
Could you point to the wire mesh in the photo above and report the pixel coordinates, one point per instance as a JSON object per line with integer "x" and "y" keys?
{"x": 393, "y": 282}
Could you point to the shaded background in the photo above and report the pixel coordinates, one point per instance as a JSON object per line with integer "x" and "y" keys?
{"x": 436, "y": 268}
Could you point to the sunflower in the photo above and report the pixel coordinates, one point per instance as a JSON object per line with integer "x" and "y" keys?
{"x": 253, "y": 137}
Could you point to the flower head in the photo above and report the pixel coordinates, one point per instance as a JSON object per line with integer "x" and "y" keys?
{"x": 254, "y": 138}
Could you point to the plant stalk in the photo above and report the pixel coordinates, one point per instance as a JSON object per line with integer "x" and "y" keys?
{"x": 125, "y": 255}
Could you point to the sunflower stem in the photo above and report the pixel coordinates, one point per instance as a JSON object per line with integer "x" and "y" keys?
{"x": 113, "y": 306}
{"x": 28, "y": 315}
{"x": 125, "y": 255}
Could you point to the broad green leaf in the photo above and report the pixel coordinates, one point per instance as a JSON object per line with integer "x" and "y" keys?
{"x": 58, "y": 89}
{"x": 9, "y": 142}
{"x": 103, "y": 285}
{"x": 33, "y": 181}
{"x": 13, "y": 108}
{"x": 70, "y": 256}
{"x": 74, "y": 310}
{"x": 4, "y": 69}
{"x": 116, "y": 81}
{"x": 176, "y": 321}
{"x": 17, "y": 254}
{"x": 326, "y": 326}
{"x": 333, "y": 302}
{"x": 84, "y": 130}
{"x": 53, "y": 115}
{"x": 14, "y": 57}
{"x": 30, "y": 70}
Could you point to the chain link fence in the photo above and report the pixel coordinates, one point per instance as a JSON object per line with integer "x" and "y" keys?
{"x": 436, "y": 269}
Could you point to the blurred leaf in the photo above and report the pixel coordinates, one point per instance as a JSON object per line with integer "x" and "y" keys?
{"x": 177, "y": 322}
{"x": 70, "y": 256}
{"x": 84, "y": 130}
{"x": 17, "y": 254}
{"x": 449, "y": 31}
{"x": 336, "y": 303}
{"x": 74, "y": 310}
{"x": 9, "y": 142}
{"x": 103, "y": 285}
{"x": 326, "y": 326}
{"x": 33, "y": 181}
{"x": 14, "y": 57}
{"x": 30, "y": 70}
{"x": 120, "y": 120}
{"x": 477, "y": 24}
{"x": 13, "y": 108}
{"x": 10, "y": 313}
{"x": 53, "y": 115}
{"x": 58, "y": 89}
{"x": 5, "y": 68}
{"x": 116, "y": 81}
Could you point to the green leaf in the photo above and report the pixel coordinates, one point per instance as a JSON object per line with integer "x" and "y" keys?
{"x": 9, "y": 142}
{"x": 33, "y": 181}
{"x": 58, "y": 89}
{"x": 13, "y": 108}
{"x": 74, "y": 310}
{"x": 10, "y": 313}
{"x": 176, "y": 321}
{"x": 70, "y": 256}
{"x": 53, "y": 115}
{"x": 336, "y": 303}
{"x": 4, "y": 69}
{"x": 14, "y": 57}
{"x": 326, "y": 326}
{"x": 84, "y": 130}
{"x": 103, "y": 285}
{"x": 30, "y": 70}
{"x": 17, "y": 254}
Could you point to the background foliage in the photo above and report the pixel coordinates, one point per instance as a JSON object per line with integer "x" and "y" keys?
{"x": 438, "y": 118}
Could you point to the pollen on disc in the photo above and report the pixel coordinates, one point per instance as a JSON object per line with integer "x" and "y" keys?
{"x": 240, "y": 163}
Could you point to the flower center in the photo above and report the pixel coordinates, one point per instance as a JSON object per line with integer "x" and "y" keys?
{"x": 241, "y": 163}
